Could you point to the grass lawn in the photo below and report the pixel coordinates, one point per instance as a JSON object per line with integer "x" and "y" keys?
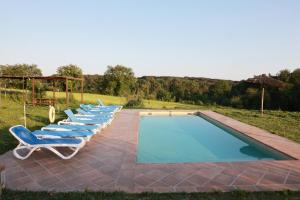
{"x": 286, "y": 124}
{"x": 92, "y": 98}
{"x": 151, "y": 104}
{"x": 11, "y": 112}
{"x": 239, "y": 195}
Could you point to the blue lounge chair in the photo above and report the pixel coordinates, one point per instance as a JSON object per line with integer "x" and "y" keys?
{"x": 90, "y": 108}
{"x": 80, "y": 116}
{"x": 86, "y": 135}
{"x": 58, "y": 127}
{"x": 72, "y": 119}
{"x": 101, "y": 104}
{"x": 29, "y": 141}
{"x": 93, "y": 113}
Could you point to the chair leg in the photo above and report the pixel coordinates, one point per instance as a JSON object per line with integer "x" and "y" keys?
{"x": 31, "y": 149}
{"x": 2, "y": 178}
{"x": 19, "y": 147}
{"x": 63, "y": 156}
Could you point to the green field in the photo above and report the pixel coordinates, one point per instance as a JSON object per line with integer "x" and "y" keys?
{"x": 11, "y": 112}
{"x": 151, "y": 104}
{"x": 91, "y": 98}
{"x": 286, "y": 124}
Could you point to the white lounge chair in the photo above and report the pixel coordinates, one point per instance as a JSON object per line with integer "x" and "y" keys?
{"x": 102, "y": 121}
{"x": 56, "y": 127}
{"x": 30, "y": 142}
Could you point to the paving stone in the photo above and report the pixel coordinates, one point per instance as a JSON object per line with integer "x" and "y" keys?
{"x": 273, "y": 179}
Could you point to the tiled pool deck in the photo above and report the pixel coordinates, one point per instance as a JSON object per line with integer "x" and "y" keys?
{"x": 108, "y": 163}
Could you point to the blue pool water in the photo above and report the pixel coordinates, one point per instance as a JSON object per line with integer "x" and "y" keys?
{"x": 190, "y": 138}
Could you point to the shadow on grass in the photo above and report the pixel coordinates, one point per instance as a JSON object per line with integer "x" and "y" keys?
{"x": 7, "y": 141}
{"x": 241, "y": 195}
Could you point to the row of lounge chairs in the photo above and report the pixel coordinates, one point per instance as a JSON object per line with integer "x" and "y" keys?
{"x": 72, "y": 132}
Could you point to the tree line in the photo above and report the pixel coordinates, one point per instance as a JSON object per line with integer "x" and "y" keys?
{"x": 120, "y": 81}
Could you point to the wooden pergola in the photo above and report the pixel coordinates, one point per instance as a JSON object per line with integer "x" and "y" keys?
{"x": 48, "y": 78}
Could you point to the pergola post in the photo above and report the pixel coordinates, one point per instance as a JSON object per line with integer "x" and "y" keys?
{"x": 262, "y": 101}
{"x": 82, "y": 90}
{"x": 24, "y": 101}
{"x": 54, "y": 88}
{"x": 71, "y": 91}
{"x": 33, "y": 92}
{"x": 23, "y": 89}
{"x": 5, "y": 90}
{"x": 67, "y": 94}
{"x": 0, "y": 92}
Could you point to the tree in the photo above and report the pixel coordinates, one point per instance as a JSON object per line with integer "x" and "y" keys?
{"x": 69, "y": 70}
{"x": 20, "y": 70}
{"x": 163, "y": 95}
{"x": 295, "y": 90}
{"x": 220, "y": 91}
{"x": 93, "y": 83}
{"x": 177, "y": 90}
{"x": 284, "y": 75}
{"x": 295, "y": 77}
{"x": 119, "y": 80}
{"x": 251, "y": 98}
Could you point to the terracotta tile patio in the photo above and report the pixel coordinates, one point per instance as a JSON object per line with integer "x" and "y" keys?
{"x": 108, "y": 163}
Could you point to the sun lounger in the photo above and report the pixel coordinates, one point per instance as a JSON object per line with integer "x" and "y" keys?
{"x": 93, "y": 113}
{"x": 90, "y": 108}
{"x": 87, "y": 120}
{"x": 86, "y": 135}
{"x": 101, "y": 104}
{"x": 56, "y": 127}
{"x": 84, "y": 117}
{"x": 29, "y": 141}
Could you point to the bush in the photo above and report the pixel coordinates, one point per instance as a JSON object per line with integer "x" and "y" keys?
{"x": 236, "y": 102}
{"x": 135, "y": 103}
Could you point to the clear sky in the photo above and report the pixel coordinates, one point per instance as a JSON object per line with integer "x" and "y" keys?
{"x": 228, "y": 39}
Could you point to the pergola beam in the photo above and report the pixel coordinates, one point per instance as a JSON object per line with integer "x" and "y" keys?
{"x": 42, "y": 77}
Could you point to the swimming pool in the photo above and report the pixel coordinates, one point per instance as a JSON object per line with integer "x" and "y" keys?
{"x": 191, "y": 138}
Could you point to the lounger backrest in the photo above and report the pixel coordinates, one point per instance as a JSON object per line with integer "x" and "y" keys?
{"x": 24, "y": 135}
{"x": 82, "y": 111}
{"x": 100, "y": 102}
{"x": 84, "y": 107}
{"x": 71, "y": 115}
